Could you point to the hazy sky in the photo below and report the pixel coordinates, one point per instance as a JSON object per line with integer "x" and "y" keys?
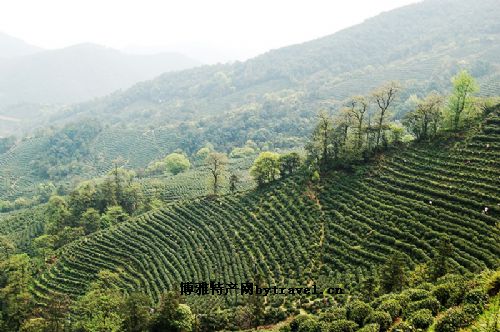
{"x": 212, "y": 30}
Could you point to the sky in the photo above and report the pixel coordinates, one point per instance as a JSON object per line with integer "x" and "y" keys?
{"x": 209, "y": 30}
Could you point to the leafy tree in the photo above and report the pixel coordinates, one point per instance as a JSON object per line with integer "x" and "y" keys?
{"x": 176, "y": 163}
{"x": 16, "y": 300}
{"x": 319, "y": 146}
{"x": 266, "y": 168}
{"x": 7, "y": 247}
{"x": 114, "y": 215}
{"x": 58, "y": 214}
{"x": 423, "y": 122}
{"x": 100, "y": 309}
{"x": 216, "y": 163}
{"x": 137, "y": 312}
{"x": 384, "y": 97}
{"x": 53, "y": 315}
{"x": 393, "y": 276}
{"x": 289, "y": 163}
{"x": 90, "y": 220}
{"x": 172, "y": 315}
{"x": 461, "y": 98}
{"x": 441, "y": 263}
{"x": 202, "y": 154}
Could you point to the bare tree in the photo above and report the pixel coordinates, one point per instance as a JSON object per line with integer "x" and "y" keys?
{"x": 384, "y": 97}
{"x": 358, "y": 107}
{"x": 216, "y": 163}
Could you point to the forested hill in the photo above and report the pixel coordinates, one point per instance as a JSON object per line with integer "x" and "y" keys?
{"x": 421, "y": 45}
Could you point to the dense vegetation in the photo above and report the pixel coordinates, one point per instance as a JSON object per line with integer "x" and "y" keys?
{"x": 380, "y": 229}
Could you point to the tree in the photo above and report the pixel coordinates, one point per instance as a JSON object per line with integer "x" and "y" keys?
{"x": 358, "y": 108}
{"x": 137, "y": 312}
{"x": 55, "y": 312}
{"x": 384, "y": 97}
{"x": 16, "y": 299}
{"x": 114, "y": 215}
{"x": 58, "y": 214}
{"x": 100, "y": 309}
{"x": 7, "y": 247}
{"x": 202, "y": 154}
{"x": 319, "y": 146}
{"x": 233, "y": 182}
{"x": 172, "y": 315}
{"x": 441, "y": 263}
{"x": 461, "y": 98}
{"x": 216, "y": 162}
{"x": 289, "y": 163}
{"x": 393, "y": 276}
{"x": 90, "y": 220}
{"x": 176, "y": 163}
{"x": 266, "y": 168}
{"x": 423, "y": 122}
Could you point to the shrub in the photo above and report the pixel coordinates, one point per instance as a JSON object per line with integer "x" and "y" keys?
{"x": 453, "y": 319}
{"x": 450, "y": 290}
{"x": 403, "y": 326}
{"x": 493, "y": 284}
{"x": 422, "y": 318}
{"x": 373, "y": 327}
{"x": 415, "y": 294}
{"x": 476, "y": 296}
{"x": 392, "y": 307}
{"x": 357, "y": 311}
{"x": 382, "y": 318}
{"x": 298, "y": 321}
{"x": 430, "y": 303}
{"x": 342, "y": 325}
{"x": 333, "y": 314}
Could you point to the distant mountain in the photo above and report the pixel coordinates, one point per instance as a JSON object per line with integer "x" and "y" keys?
{"x": 422, "y": 45}
{"x": 78, "y": 73}
{"x": 11, "y": 47}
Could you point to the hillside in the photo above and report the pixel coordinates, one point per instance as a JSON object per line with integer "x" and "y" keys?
{"x": 297, "y": 231}
{"x": 423, "y": 55}
{"x": 271, "y": 100}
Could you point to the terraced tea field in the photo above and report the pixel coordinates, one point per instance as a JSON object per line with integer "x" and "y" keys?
{"x": 294, "y": 230}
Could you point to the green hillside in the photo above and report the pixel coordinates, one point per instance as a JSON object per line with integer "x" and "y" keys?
{"x": 298, "y": 231}
{"x": 421, "y": 45}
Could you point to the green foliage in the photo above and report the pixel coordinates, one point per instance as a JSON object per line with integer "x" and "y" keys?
{"x": 357, "y": 311}
{"x": 461, "y": 101}
{"x": 393, "y": 276}
{"x": 172, "y": 315}
{"x": 391, "y": 306}
{"x": 382, "y": 318}
{"x": 289, "y": 163}
{"x": 453, "y": 319}
{"x": 16, "y": 299}
{"x": 342, "y": 325}
{"x": 266, "y": 168}
{"x": 242, "y": 152}
{"x": 176, "y": 163}
{"x": 100, "y": 309}
{"x": 422, "y": 318}
{"x": 373, "y": 327}
{"x": 430, "y": 303}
